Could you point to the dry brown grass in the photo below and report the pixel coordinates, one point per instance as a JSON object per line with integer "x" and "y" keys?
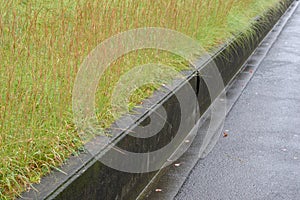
{"x": 42, "y": 43}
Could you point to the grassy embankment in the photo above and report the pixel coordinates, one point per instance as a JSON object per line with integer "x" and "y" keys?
{"x": 42, "y": 44}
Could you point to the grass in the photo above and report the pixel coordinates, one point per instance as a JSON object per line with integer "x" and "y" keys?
{"x": 42, "y": 44}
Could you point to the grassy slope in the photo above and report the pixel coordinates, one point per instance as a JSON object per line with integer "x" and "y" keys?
{"x": 42, "y": 43}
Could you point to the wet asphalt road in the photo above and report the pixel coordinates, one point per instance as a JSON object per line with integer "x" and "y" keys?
{"x": 260, "y": 157}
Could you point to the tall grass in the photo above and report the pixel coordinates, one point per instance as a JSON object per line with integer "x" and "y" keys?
{"x": 42, "y": 43}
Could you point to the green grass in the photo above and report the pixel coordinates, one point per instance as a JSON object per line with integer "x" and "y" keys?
{"x": 42, "y": 44}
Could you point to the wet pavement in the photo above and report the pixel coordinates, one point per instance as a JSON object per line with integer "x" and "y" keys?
{"x": 260, "y": 157}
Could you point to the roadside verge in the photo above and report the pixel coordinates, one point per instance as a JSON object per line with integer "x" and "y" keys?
{"x": 84, "y": 177}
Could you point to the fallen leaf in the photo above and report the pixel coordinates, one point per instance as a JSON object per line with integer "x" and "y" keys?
{"x": 225, "y": 134}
